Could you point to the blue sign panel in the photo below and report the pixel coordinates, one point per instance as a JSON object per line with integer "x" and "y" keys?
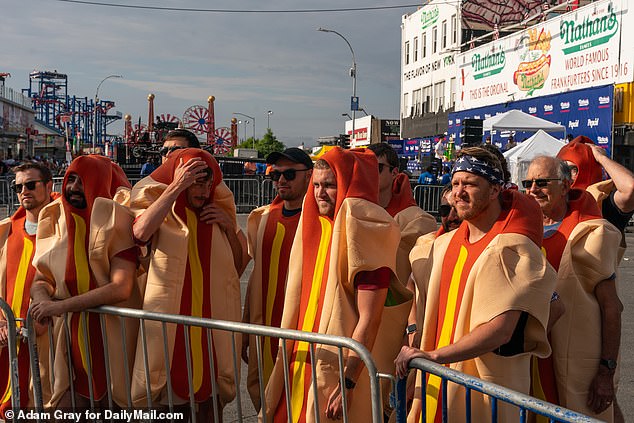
{"x": 397, "y": 145}
{"x": 584, "y": 112}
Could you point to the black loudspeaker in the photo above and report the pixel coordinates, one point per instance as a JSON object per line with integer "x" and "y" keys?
{"x": 471, "y": 133}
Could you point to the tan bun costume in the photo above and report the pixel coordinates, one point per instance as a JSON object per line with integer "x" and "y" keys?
{"x": 412, "y": 221}
{"x": 270, "y": 236}
{"x": 589, "y": 256}
{"x": 86, "y": 240}
{"x": 320, "y": 294}
{"x": 191, "y": 272}
{"x": 469, "y": 285}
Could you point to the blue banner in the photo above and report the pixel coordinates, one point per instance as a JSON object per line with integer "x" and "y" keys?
{"x": 584, "y": 112}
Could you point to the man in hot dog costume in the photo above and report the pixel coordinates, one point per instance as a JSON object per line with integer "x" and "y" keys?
{"x": 191, "y": 272}
{"x": 486, "y": 303}
{"x": 341, "y": 269}
{"x": 85, "y": 257}
{"x": 583, "y": 248}
{"x": 271, "y": 230}
{"x": 33, "y": 184}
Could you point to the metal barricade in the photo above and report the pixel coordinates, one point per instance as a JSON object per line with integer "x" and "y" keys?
{"x": 246, "y": 193}
{"x": 58, "y": 182}
{"x": 235, "y": 329}
{"x": 496, "y": 393}
{"x": 428, "y": 197}
{"x": 12, "y": 345}
{"x": 267, "y": 192}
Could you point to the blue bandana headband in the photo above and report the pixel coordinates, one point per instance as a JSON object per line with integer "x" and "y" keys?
{"x": 478, "y": 167}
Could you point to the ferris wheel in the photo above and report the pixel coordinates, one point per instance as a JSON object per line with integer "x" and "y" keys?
{"x": 168, "y": 118}
{"x": 196, "y": 118}
{"x": 222, "y": 141}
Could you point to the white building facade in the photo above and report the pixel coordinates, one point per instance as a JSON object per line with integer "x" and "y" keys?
{"x": 430, "y": 41}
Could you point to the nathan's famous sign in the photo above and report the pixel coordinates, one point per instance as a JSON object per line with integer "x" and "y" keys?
{"x": 584, "y": 48}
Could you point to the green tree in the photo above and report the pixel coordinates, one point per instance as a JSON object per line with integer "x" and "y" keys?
{"x": 265, "y": 146}
{"x": 269, "y": 144}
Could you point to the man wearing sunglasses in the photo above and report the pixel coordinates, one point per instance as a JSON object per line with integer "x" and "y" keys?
{"x": 271, "y": 230}
{"x": 33, "y": 184}
{"x": 582, "y": 247}
{"x": 176, "y": 140}
{"x": 487, "y": 296}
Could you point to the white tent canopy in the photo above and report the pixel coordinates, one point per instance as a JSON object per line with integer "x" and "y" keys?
{"x": 516, "y": 120}
{"x": 519, "y": 157}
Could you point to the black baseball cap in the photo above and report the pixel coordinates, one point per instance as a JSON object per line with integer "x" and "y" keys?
{"x": 293, "y": 154}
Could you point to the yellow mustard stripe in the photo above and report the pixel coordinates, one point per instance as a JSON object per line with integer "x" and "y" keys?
{"x": 276, "y": 251}
{"x": 18, "y": 293}
{"x": 299, "y": 368}
{"x": 83, "y": 283}
{"x": 538, "y": 390}
{"x": 544, "y": 251}
{"x": 196, "y": 271}
{"x": 433, "y": 385}
{"x": 20, "y": 279}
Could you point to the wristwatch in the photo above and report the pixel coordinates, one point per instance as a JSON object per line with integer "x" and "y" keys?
{"x": 608, "y": 363}
{"x": 350, "y": 384}
{"x": 411, "y": 329}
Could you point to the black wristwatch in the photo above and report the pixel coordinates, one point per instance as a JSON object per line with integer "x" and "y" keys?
{"x": 411, "y": 329}
{"x": 350, "y": 384}
{"x": 608, "y": 363}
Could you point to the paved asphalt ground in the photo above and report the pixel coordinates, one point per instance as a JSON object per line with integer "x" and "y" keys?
{"x": 626, "y": 292}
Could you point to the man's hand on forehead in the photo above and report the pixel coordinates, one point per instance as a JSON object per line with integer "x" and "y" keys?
{"x": 187, "y": 173}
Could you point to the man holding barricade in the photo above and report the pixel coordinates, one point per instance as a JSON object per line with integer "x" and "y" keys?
{"x": 583, "y": 248}
{"x": 341, "y": 282}
{"x": 191, "y": 272}
{"x": 85, "y": 257}
{"x": 486, "y": 302}
{"x": 33, "y": 185}
{"x": 271, "y": 230}
{"x": 395, "y": 196}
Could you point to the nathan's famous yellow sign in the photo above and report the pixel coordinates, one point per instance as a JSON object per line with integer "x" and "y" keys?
{"x": 533, "y": 70}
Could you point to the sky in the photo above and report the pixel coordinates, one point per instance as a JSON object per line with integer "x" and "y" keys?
{"x": 250, "y": 62}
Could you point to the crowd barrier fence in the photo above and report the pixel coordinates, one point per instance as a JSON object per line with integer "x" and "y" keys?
{"x": 428, "y": 197}
{"x": 496, "y": 393}
{"x": 235, "y": 329}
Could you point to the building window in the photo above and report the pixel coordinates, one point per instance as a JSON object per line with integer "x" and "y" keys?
{"x": 452, "y": 98}
{"x": 439, "y": 97}
{"x": 434, "y": 40}
{"x": 423, "y": 53}
{"x": 454, "y": 29}
{"x": 427, "y": 99}
{"x": 444, "y": 35}
{"x": 407, "y": 52}
{"x": 415, "y": 49}
{"x": 406, "y": 111}
{"x": 417, "y": 102}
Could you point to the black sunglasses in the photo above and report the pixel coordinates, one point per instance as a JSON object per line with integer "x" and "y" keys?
{"x": 289, "y": 174}
{"x": 29, "y": 186}
{"x": 167, "y": 150}
{"x": 444, "y": 210}
{"x": 382, "y": 166}
{"x": 541, "y": 183}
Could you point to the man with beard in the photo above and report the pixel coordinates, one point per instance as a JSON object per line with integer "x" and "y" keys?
{"x": 33, "y": 184}
{"x": 85, "y": 257}
{"x": 582, "y": 247}
{"x": 486, "y": 302}
{"x": 191, "y": 272}
{"x": 341, "y": 267}
{"x": 271, "y": 230}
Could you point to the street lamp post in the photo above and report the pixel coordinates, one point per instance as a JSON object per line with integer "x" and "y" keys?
{"x": 94, "y": 130}
{"x": 353, "y": 74}
{"x": 252, "y": 120}
{"x": 268, "y": 119}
